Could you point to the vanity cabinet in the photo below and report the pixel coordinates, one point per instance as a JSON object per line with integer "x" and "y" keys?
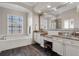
{"x": 71, "y": 47}
{"x": 38, "y": 38}
{"x": 58, "y": 45}
{"x": 66, "y": 47}
{"x": 61, "y": 45}
{"x": 71, "y": 50}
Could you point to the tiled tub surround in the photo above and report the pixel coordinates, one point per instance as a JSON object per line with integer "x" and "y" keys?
{"x": 10, "y": 42}
{"x": 63, "y": 45}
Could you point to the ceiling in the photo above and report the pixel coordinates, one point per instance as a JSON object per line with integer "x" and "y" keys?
{"x": 13, "y": 7}
{"x": 52, "y": 8}
{"x": 46, "y": 8}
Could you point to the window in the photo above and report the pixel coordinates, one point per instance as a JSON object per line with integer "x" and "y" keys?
{"x": 15, "y": 24}
{"x": 69, "y": 24}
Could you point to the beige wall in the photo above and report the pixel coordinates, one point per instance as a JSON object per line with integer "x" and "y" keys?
{"x": 35, "y": 21}
{"x": 3, "y": 19}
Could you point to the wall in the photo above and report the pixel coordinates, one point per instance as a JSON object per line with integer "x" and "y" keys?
{"x": 35, "y": 21}
{"x": 3, "y": 19}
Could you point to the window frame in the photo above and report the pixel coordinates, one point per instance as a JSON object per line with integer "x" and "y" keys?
{"x": 8, "y": 24}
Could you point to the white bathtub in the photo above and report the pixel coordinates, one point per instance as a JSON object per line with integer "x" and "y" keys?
{"x": 11, "y": 42}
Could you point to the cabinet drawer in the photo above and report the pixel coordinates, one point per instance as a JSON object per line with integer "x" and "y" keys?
{"x": 74, "y": 42}
{"x": 67, "y": 41}
{"x": 71, "y": 42}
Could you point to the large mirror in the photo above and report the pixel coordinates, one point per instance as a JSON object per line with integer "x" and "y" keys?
{"x": 50, "y": 23}
{"x": 53, "y": 23}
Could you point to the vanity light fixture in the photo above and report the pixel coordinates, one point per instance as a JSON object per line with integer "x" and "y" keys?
{"x": 48, "y": 6}
{"x": 71, "y": 2}
{"x": 65, "y": 2}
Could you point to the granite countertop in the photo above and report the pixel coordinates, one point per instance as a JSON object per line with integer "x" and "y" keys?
{"x": 44, "y": 34}
{"x": 62, "y": 36}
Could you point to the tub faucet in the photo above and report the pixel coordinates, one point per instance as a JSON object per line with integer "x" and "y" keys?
{"x": 4, "y": 37}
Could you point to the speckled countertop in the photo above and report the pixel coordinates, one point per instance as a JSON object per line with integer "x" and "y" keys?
{"x": 62, "y": 36}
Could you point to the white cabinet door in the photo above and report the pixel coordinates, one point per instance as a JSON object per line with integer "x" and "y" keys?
{"x": 71, "y": 47}
{"x": 38, "y": 38}
{"x": 42, "y": 41}
{"x": 58, "y": 47}
{"x": 71, "y": 50}
{"x": 35, "y": 36}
